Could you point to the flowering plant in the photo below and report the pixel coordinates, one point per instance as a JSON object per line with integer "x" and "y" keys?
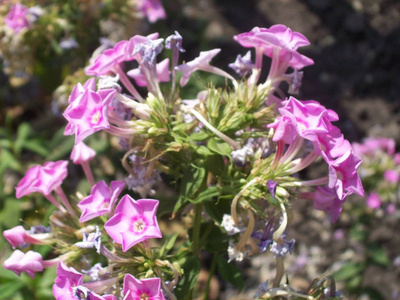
{"x": 229, "y": 160}
{"x": 38, "y": 39}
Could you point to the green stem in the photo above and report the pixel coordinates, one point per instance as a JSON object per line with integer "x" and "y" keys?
{"x": 211, "y": 273}
{"x": 196, "y": 230}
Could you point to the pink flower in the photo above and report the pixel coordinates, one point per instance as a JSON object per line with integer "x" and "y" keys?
{"x": 199, "y": 63}
{"x": 101, "y": 200}
{"x": 163, "y": 73}
{"x": 343, "y": 175}
{"x": 301, "y": 118}
{"x": 15, "y": 236}
{"x": 371, "y": 145}
{"x": 153, "y": 9}
{"x": 88, "y": 113}
{"x": 76, "y": 94}
{"x": 17, "y": 19}
{"x": 81, "y": 153}
{"x": 42, "y": 179}
{"x": 326, "y": 199}
{"x": 373, "y": 200}
{"x": 149, "y": 289}
{"x": 30, "y": 263}
{"x": 279, "y": 38}
{"x": 69, "y": 286}
{"x": 391, "y": 176}
{"x": 133, "y": 222}
{"x": 332, "y": 144}
{"x": 110, "y": 59}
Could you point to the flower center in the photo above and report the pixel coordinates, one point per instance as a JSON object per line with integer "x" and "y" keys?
{"x": 144, "y": 296}
{"x": 139, "y": 226}
{"x": 96, "y": 117}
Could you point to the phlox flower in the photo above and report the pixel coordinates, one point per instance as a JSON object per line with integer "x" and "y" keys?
{"x": 301, "y": 118}
{"x": 110, "y": 59}
{"x": 152, "y": 9}
{"x": 199, "y": 63}
{"x": 369, "y": 146}
{"x": 343, "y": 175}
{"x": 43, "y": 179}
{"x": 88, "y": 113}
{"x": 15, "y": 236}
{"x": 243, "y": 64}
{"x": 391, "y": 176}
{"x": 30, "y": 263}
{"x": 81, "y": 153}
{"x": 69, "y": 285}
{"x": 17, "y": 18}
{"x": 373, "y": 200}
{"x": 146, "y": 289}
{"x": 133, "y": 222}
{"x": 326, "y": 199}
{"x": 101, "y": 200}
{"x": 19, "y": 237}
{"x": 332, "y": 144}
{"x": 163, "y": 73}
{"x": 277, "y": 41}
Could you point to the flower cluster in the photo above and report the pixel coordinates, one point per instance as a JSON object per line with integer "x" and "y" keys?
{"x": 59, "y": 30}
{"x": 231, "y": 155}
{"x": 380, "y": 172}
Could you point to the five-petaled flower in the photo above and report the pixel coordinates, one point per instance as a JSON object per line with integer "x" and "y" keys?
{"x": 145, "y": 289}
{"x": 43, "y": 179}
{"x": 101, "y": 200}
{"x": 133, "y": 222}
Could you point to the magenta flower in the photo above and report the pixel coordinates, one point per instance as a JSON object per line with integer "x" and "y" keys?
{"x": 343, "y": 175}
{"x": 101, "y": 200}
{"x": 391, "y": 176}
{"x": 30, "y": 263}
{"x": 279, "y": 39}
{"x": 301, "y": 118}
{"x": 42, "y": 179}
{"x": 69, "y": 286}
{"x": 199, "y": 63}
{"x": 163, "y": 73}
{"x": 17, "y": 19}
{"x": 15, "y": 236}
{"x": 326, "y": 199}
{"x": 110, "y": 59}
{"x": 371, "y": 145}
{"x": 133, "y": 222}
{"x": 332, "y": 144}
{"x": 76, "y": 94}
{"x": 81, "y": 153}
{"x": 88, "y": 113}
{"x": 135, "y": 289}
{"x": 153, "y": 9}
{"x": 373, "y": 200}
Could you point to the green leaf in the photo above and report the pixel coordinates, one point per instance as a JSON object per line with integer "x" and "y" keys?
{"x": 61, "y": 149}
{"x": 8, "y": 161}
{"x": 206, "y": 195}
{"x": 23, "y": 132}
{"x": 198, "y": 136}
{"x": 219, "y": 147}
{"x": 36, "y": 147}
{"x": 378, "y": 255}
{"x": 192, "y": 181}
{"x": 169, "y": 244}
{"x": 11, "y": 213}
{"x": 230, "y": 273}
{"x": 217, "y": 209}
{"x": 191, "y": 268}
{"x": 349, "y": 271}
{"x": 8, "y": 289}
{"x": 202, "y": 150}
